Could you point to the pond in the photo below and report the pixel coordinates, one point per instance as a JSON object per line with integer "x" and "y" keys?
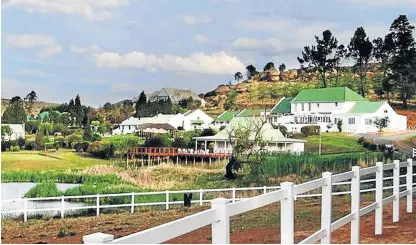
{"x": 18, "y": 190}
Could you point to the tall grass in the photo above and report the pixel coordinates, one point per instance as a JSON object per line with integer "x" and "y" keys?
{"x": 314, "y": 165}
{"x": 45, "y": 189}
{"x": 58, "y": 177}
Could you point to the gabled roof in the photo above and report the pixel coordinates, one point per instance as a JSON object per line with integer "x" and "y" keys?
{"x": 338, "y": 94}
{"x": 283, "y": 106}
{"x": 187, "y": 113}
{"x": 226, "y": 116}
{"x": 250, "y": 113}
{"x": 366, "y": 107}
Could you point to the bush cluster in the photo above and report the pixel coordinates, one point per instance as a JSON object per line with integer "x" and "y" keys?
{"x": 367, "y": 144}
{"x": 310, "y": 130}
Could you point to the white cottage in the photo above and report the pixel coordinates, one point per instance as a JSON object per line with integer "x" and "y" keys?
{"x": 273, "y": 138}
{"x": 327, "y": 106}
{"x": 18, "y": 131}
{"x": 197, "y": 119}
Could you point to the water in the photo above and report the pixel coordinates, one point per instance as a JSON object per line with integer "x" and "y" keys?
{"x": 18, "y": 190}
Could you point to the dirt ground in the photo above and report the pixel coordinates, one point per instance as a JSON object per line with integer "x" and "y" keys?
{"x": 258, "y": 226}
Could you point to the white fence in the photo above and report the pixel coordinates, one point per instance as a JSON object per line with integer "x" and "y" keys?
{"x": 163, "y": 198}
{"x": 222, "y": 209}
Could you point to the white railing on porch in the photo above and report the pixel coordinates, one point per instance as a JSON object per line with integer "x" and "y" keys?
{"x": 223, "y": 209}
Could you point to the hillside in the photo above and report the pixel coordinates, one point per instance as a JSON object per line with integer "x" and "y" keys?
{"x": 266, "y": 88}
{"x": 38, "y": 105}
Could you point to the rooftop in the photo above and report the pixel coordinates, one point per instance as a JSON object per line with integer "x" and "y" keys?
{"x": 366, "y": 107}
{"x": 338, "y": 94}
{"x": 283, "y": 106}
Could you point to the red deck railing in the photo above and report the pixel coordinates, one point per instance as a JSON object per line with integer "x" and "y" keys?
{"x": 172, "y": 152}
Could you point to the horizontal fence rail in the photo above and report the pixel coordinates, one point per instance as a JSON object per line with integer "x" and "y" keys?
{"x": 223, "y": 209}
{"x": 204, "y": 196}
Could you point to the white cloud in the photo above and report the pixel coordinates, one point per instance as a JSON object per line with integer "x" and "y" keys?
{"x": 90, "y": 9}
{"x": 196, "y": 20}
{"x": 201, "y": 38}
{"x": 46, "y": 45}
{"x": 216, "y": 63}
{"x": 269, "y": 46}
{"x": 90, "y": 49}
{"x": 263, "y": 25}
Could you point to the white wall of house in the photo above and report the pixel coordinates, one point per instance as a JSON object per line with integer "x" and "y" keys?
{"x": 222, "y": 147}
{"x": 18, "y": 131}
{"x": 197, "y": 115}
{"x": 321, "y": 107}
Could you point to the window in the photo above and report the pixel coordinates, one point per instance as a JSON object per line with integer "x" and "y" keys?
{"x": 351, "y": 120}
{"x": 303, "y": 107}
{"x": 385, "y": 111}
{"x": 309, "y": 106}
{"x": 317, "y": 105}
{"x": 129, "y": 127}
{"x": 368, "y": 121}
{"x": 336, "y": 104}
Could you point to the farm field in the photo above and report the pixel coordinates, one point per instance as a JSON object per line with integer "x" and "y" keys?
{"x": 258, "y": 226}
{"x": 49, "y": 160}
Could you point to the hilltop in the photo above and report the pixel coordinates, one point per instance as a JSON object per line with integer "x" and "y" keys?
{"x": 266, "y": 88}
{"x": 38, "y": 105}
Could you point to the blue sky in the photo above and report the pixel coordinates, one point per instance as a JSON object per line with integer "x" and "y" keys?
{"x": 109, "y": 50}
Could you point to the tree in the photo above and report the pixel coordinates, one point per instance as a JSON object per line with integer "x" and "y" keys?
{"x": 127, "y": 109}
{"x": 248, "y": 146}
{"x": 251, "y": 71}
{"x": 339, "y": 125}
{"x": 282, "y": 68}
{"x": 46, "y": 128}
{"x": 141, "y": 105}
{"x": 268, "y": 66}
{"x": 323, "y": 57}
{"x": 383, "y": 53}
{"x": 360, "y": 50}
{"x": 30, "y": 98}
{"x": 381, "y": 123}
{"x": 15, "y": 112}
{"x": 5, "y": 131}
{"x": 238, "y": 76}
{"x": 79, "y": 111}
{"x": 403, "y": 63}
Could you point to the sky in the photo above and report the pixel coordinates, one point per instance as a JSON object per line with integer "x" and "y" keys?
{"x": 111, "y": 50}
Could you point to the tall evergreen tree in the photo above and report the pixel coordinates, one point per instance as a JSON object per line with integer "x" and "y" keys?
{"x": 15, "y": 112}
{"x": 141, "y": 104}
{"x": 30, "y": 101}
{"x": 360, "y": 50}
{"x": 79, "y": 111}
{"x": 383, "y": 53}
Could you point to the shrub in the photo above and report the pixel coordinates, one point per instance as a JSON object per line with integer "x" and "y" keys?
{"x": 208, "y": 132}
{"x": 15, "y": 148}
{"x": 372, "y": 147}
{"x": 5, "y": 145}
{"x": 50, "y": 145}
{"x": 310, "y": 130}
{"x": 366, "y": 144}
{"x": 101, "y": 150}
{"x": 30, "y": 145}
{"x": 339, "y": 126}
{"x": 81, "y": 147}
{"x": 45, "y": 189}
{"x": 96, "y": 137}
{"x": 360, "y": 140}
{"x": 21, "y": 142}
{"x": 381, "y": 147}
{"x": 59, "y": 142}
{"x": 179, "y": 142}
{"x": 160, "y": 140}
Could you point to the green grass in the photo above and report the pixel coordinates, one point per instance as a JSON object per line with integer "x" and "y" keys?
{"x": 332, "y": 143}
{"x": 49, "y": 160}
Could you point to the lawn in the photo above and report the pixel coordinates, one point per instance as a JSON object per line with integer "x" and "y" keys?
{"x": 332, "y": 143}
{"x": 39, "y": 160}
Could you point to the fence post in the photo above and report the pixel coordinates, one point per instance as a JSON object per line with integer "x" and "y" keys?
{"x": 379, "y": 199}
{"x": 326, "y": 208}
{"x": 62, "y": 207}
{"x": 132, "y": 203}
{"x": 97, "y": 238}
{"x": 233, "y": 194}
{"x": 264, "y": 189}
{"x": 409, "y": 182}
{"x": 396, "y": 191}
{"x": 221, "y": 228}
{"x": 25, "y": 209}
{"x": 287, "y": 211}
{"x": 98, "y": 204}
{"x": 167, "y": 200}
{"x": 201, "y": 193}
{"x": 355, "y": 205}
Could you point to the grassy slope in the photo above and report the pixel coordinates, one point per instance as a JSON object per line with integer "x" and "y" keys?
{"x": 35, "y": 160}
{"x": 332, "y": 143}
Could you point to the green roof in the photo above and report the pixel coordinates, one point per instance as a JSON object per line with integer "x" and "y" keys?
{"x": 338, "y": 94}
{"x": 366, "y": 107}
{"x": 282, "y": 107}
{"x": 250, "y": 112}
{"x": 226, "y": 116}
{"x": 197, "y": 122}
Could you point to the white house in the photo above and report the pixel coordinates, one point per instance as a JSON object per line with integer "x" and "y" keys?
{"x": 273, "y": 138}
{"x": 175, "y": 95}
{"x": 327, "y": 106}
{"x": 130, "y": 125}
{"x": 18, "y": 131}
{"x": 197, "y": 119}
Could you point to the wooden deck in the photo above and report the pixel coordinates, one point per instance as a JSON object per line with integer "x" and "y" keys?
{"x": 174, "y": 152}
